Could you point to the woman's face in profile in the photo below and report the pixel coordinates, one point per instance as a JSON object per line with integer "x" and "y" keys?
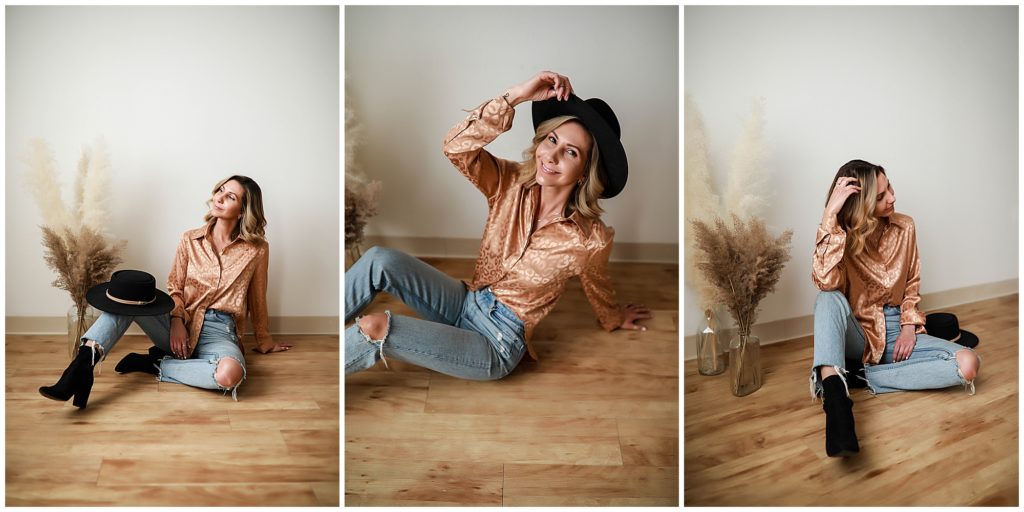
{"x": 885, "y": 196}
{"x": 227, "y": 201}
{"x": 562, "y": 155}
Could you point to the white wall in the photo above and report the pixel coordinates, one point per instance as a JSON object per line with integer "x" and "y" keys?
{"x": 184, "y": 96}
{"x": 410, "y": 71}
{"x": 930, "y": 93}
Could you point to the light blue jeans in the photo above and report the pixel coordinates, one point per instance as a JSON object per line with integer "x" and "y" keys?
{"x": 470, "y": 335}
{"x": 218, "y": 339}
{"x": 838, "y": 335}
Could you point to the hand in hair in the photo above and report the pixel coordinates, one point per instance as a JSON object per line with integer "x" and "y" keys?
{"x": 634, "y": 312}
{"x": 543, "y": 86}
{"x": 845, "y": 187}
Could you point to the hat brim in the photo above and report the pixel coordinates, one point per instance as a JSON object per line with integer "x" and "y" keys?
{"x": 97, "y": 298}
{"x": 613, "y": 155}
{"x": 967, "y": 339}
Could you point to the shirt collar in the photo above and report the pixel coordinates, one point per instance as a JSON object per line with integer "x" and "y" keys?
{"x": 202, "y": 231}
{"x": 585, "y": 225}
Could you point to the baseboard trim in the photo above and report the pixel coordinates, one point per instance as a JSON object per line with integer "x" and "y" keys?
{"x": 431, "y": 247}
{"x": 791, "y": 328}
{"x": 284, "y": 325}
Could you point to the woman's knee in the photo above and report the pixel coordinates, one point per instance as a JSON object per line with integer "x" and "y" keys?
{"x": 374, "y": 325}
{"x": 831, "y": 300}
{"x": 229, "y": 372}
{"x": 968, "y": 363}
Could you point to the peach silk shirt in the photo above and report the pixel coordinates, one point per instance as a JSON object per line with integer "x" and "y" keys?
{"x": 526, "y": 268}
{"x": 234, "y": 281}
{"x": 889, "y": 273}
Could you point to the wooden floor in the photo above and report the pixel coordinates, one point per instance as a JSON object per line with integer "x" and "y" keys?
{"x": 935, "y": 448}
{"x": 140, "y": 442}
{"x": 594, "y": 422}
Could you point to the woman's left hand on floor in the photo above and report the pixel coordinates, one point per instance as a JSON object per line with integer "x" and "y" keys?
{"x": 274, "y": 347}
{"x": 633, "y": 313}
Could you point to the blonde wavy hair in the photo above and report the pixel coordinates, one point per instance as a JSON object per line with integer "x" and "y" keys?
{"x": 251, "y": 225}
{"x": 857, "y": 217}
{"x": 584, "y": 197}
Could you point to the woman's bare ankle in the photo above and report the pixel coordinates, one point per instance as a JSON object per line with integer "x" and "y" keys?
{"x": 827, "y": 371}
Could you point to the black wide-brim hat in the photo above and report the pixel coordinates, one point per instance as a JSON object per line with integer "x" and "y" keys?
{"x": 947, "y": 327}
{"x": 600, "y": 121}
{"x": 130, "y": 292}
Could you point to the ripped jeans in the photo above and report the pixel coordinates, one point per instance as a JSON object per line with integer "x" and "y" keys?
{"x": 838, "y": 336}
{"x": 469, "y": 335}
{"x": 218, "y": 339}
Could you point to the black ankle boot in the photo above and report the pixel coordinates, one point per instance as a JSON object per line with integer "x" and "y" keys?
{"x": 856, "y": 377}
{"x": 840, "y": 436}
{"x": 134, "y": 362}
{"x": 157, "y": 352}
{"x": 75, "y": 381}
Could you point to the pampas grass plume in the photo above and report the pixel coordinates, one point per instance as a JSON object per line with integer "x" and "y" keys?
{"x": 45, "y": 186}
{"x": 94, "y": 187}
{"x": 700, "y": 200}
{"x": 747, "y": 182}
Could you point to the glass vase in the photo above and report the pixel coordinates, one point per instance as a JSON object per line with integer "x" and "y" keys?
{"x": 78, "y": 325}
{"x": 710, "y": 356}
{"x": 745, "y": 364}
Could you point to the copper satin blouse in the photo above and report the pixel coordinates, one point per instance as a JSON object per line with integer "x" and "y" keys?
{"x": 527, "y": 271}
{"x": 233, "y": 282}
{"x": 887, "y": 274}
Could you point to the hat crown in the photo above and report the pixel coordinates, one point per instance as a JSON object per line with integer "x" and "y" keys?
{"x": 606, "y": 113}
{"x": 132, "y": 285}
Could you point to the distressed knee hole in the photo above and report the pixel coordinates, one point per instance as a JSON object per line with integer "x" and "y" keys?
{"x": 229, "y": 372}
{"x": 968, "y": 362}
{"x": 375, "y": 325}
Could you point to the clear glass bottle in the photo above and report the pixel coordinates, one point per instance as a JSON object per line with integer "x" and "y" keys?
{"x": 710, "y": 356}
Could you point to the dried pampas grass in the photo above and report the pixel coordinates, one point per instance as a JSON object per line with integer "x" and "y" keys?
{"x": 744, "y": 191}
{"x": 743, "y": 263}
{"x": 361, "y": 194}
{"x": 73, "y": 238}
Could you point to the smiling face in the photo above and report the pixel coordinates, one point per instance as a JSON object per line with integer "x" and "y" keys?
{"x": 562, "y": 155}
{"x": 885, "y": 196}
{"x": 227, "y": 201}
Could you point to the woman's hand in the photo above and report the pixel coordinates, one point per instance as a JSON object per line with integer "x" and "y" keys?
{"x": 543, "y": 86}
{"x": 633, "y": 313}
{"x": 267, "y": 348}
{"x": 846, "y": 186}
{"x": 179, "y": 338}
{"x": 904, "y": 344}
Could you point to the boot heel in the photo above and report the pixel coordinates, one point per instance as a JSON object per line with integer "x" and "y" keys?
{"x": 83, "y": 386}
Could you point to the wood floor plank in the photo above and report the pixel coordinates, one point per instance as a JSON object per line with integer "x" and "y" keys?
{"x": 584, "y": 405}
{"x": 193, "y": 468}
{"x": 482, "y": 438}
{"x": 767, "y": 449}
{"x": 557, "y": 394}
{"x": 145, "y": 443}
{"x": 266, "y": 494}
{"x": 422, "y": 483}
{"x": 649, "y": 441}
{"x": 583, "y": 485}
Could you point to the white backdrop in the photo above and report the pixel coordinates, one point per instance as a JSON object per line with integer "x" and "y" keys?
{"x": 184, "y": 96}
{"x": 930, "y": 93}
{"x": 411, "y": 70}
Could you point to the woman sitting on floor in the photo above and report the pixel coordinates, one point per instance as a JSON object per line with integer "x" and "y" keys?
{"x": 543, "y": 228}
{"x": 867, "y": 268}
{"x": 219, "y": 273}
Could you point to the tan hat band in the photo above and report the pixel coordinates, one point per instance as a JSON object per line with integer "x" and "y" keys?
{"x": 130, "y": 302}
